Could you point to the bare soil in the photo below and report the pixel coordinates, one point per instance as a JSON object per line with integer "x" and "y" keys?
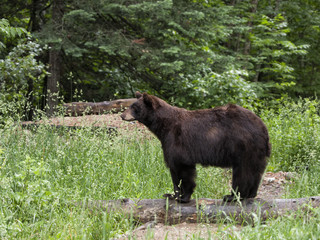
{"x": 272, "y": 187}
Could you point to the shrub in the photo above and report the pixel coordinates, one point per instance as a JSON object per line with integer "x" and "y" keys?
{"x": 294, "y": 128}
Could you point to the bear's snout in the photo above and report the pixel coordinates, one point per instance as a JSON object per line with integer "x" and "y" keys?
{"x": 127, "y": 116}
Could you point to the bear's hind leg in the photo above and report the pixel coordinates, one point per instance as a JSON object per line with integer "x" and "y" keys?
{"x": 255, "y": 185}
{"x": 246, "y": 182}
{"x": 257, "y": 174}
{"x": 241, "y": 184}
{"x": 183, "y": 183}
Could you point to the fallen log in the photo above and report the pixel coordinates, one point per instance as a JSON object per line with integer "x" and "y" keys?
{"x": 201, "y": 210}
{"x": 57, "y": 127}
{"x": 80, "y": 108}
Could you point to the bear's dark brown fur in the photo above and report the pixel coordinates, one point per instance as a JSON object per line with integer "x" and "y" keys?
{"x": 229, "y": 137}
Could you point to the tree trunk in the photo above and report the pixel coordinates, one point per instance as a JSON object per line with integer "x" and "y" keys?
{"x": 29, "y": 103}
{"x": 34, "y": 26}
{"x": 208, "y": 210}
{"x": 247, "y": 45}
{"x": 54, "y": 59}
{"x": 53, "y": 81}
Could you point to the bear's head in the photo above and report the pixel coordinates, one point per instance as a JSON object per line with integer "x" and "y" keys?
{"x": 143, "y": 109}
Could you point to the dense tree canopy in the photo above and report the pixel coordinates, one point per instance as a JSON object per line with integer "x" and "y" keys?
{"x": 195, "y": 53}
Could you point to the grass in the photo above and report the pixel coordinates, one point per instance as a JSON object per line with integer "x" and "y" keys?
{"x": 294, "y": 129}
{"x": 43, "y": 171}
{"x": 303, "y": 224}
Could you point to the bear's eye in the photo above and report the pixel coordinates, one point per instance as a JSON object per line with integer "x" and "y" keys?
{"x": 135, "y": 108}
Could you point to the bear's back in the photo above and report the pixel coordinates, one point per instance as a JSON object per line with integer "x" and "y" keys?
{"x": 216, "y": 136}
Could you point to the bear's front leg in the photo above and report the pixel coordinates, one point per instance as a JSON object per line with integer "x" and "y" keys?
{"x": 183, "y": 183}
{"x": 177, "y": 190}
{"x": 178, "y": 194}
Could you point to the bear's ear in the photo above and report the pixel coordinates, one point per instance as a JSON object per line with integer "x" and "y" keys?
{"x": 149, "y": 100}
{"x": 138, "y": 95}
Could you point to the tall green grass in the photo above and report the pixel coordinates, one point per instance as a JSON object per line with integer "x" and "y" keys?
{"x": 42, "y": 172}
{"x": 299, "y": 225}
{"x": 294, "y": 129}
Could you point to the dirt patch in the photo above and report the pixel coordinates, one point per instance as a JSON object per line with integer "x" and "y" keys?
{"x": 179, "y": 231}
{"x": 272, "y": 187}
{"x": 273, "y": 184}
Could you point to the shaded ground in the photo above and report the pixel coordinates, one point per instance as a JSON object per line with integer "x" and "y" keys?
{"x": 273, "y": 185}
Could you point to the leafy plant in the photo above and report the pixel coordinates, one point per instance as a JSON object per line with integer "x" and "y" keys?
{"x": 209, "y": 89}
{"x": 302, "y": 224}
{"x": 22, "y": 76}
{"x": 44, "y": 172}
{"x": 294, "y": 133}
{"x": 8, "y": 32}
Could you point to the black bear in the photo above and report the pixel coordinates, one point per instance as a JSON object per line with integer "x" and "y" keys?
{"x": 228, "y": 136}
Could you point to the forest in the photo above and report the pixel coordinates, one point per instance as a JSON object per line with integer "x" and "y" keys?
{"x": 195, "y": 54}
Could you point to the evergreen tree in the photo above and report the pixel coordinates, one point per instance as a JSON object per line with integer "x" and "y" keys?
{"x": 194, "y": 53}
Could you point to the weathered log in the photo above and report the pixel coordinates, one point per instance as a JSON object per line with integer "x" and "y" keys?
{"x": 208, "y": 210}
{"x": 79, "y": 108}
{"x": 35, "y": 125}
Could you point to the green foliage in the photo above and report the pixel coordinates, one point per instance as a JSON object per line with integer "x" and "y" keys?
{"x": 210, "y": 89}
{"x": 294, "y": 133}
{"x": 168, "y": 47}
{"x": 261, "y": 44}
{"x": 7, "y": 33}
{"x": 21, "y": 73}
{"x": 271, "y": 49}
{"x": 129, "y": 52}
{"x": 42, "y": 173}
{"x": 21, "y": 64}
{"x": 303, "y": 20}
{"x": 173, "y": 48}
{"x": 305, "y": 183}
{"x": 19, "y": 69}
{"x": 303, "y": 224}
